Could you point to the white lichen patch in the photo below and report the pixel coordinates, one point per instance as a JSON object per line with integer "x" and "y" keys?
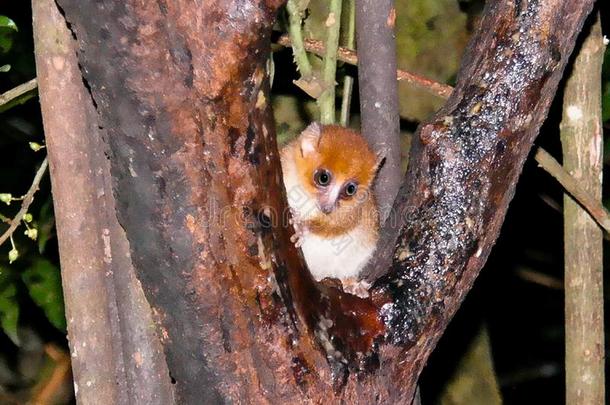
{"x": 107, "y": 248}
{"x": 574, "y": 113}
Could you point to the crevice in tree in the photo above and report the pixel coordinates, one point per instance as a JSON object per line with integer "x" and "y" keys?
{"x": 80, "y": 68}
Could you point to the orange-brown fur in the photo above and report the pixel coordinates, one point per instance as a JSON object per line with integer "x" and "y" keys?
{"x": 336, "y": 153}
{"x": 336, "y": 231}
{"x": 347, "y": 155}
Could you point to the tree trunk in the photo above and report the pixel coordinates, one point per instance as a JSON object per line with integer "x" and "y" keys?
{"x": 181, "y": 91}
{"x": 116, "y": 355}
{"x": 581, "y": 139}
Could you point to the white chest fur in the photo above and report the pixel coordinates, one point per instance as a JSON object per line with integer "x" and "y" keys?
{"x": 338, "y": 257}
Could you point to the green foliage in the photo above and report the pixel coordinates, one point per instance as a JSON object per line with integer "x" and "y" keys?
{"x": 27, "y": 278}
{"x": 43, "y": 282}
{"x": 430, "y": 37}
{"x": 7, "y": 30}
{"x": 9, "y": 306}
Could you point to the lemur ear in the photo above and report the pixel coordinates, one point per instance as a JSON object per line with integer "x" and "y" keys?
{"x": 310, "y": 138}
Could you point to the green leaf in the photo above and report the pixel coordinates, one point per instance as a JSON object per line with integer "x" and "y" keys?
{"x": 43, "y": 282}
{"x": 5, "y": 68}
{"x": 9, "y": 307}
{"x": 7, "y": 30}
{"x": 6, "y": 22}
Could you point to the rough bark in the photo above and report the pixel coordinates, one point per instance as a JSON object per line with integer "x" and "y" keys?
{"x": 116, "y": 355}
{"x": 379, "y": 93}
{"x": 581, "y": 139}
{"x": 180, "y": 90}
{"x": 463, "y": 169}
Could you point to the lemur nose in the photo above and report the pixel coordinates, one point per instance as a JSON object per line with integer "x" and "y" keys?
{"x": 327, "y": 208}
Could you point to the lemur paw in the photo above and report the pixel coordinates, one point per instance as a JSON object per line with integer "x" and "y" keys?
{"x": 356, "y": 287}
{"x": 300, "y": 230}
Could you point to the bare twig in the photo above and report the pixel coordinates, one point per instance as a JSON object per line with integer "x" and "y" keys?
{"x": 326, "y": 100}
{"x": 349, "y": 56}
{"x": 348, "y": 81}
{"x": 27, "y": 200}
{"x": 541, "y": 279}
{"x": 594, "y": 207}
{"x": 17, "y": 91}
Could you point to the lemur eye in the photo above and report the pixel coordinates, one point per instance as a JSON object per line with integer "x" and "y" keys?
{"x": 322, "y": 177}
{"x": 350, "y": 189}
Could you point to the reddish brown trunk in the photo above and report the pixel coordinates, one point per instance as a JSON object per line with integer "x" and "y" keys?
{"x": 181, "y": 93}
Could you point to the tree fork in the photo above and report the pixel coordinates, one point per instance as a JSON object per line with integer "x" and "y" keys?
{"x": 181, "y": 93}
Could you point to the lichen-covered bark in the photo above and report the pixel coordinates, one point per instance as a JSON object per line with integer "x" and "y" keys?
{"x": 464, "y": 166}
{"x": 181, "y": 92}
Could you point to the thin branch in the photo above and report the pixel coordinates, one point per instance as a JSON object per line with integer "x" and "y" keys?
{"x": 594, "y": 207}
{"x": 48, "y": 389}
{"x": 295, "y": 19}
{"x": 541, "y": 279}
{"x": 18, "y": 91}
{"x": 378, "y": 91}
{"x": 349, "y": 56}
{"x": 27, "y": 201}
{"x": 348, "y": 81}
{"x": 329, "y": 70}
